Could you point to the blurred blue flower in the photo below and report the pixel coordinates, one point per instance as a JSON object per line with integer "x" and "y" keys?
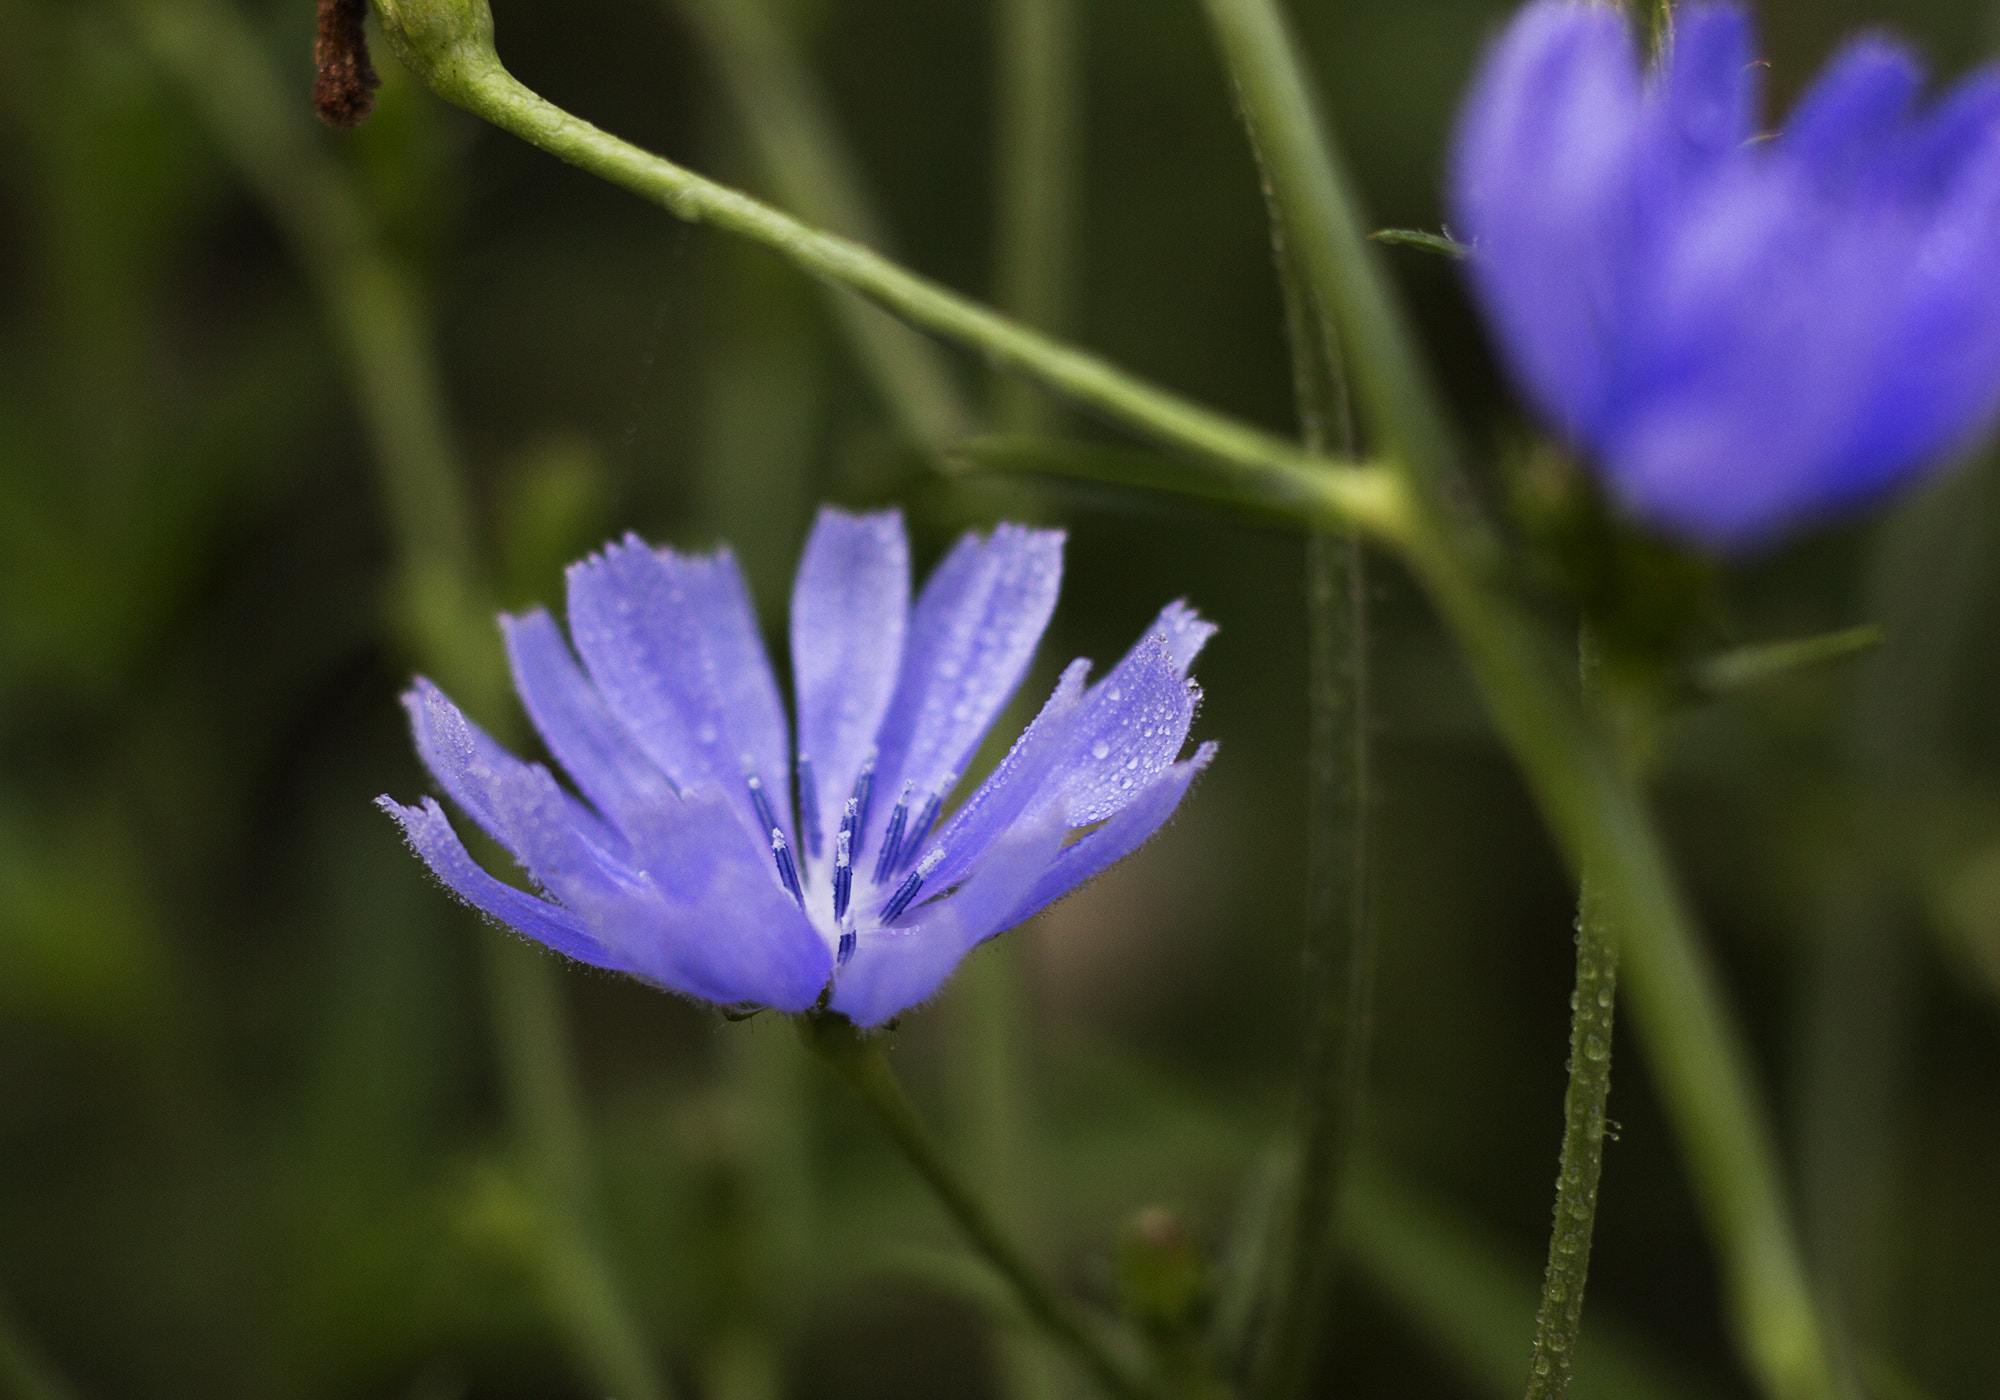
{"x": 684, "y": 861}
{"x": 1742, "y": 333}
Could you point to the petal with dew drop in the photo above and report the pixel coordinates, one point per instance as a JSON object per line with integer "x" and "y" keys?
{"x": 1135, "y": 824}
{"x": 972, "y": 635}
{"x": 653, "y": 631}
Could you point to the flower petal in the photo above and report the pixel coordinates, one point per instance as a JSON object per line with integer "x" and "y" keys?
{"x": 1708, "y": 88}
{"x": 739, "y": 669}
{"x": 430, "y": 835}
{"x": 1852, "y": 112}
{"x": 714, "y": 921}
{"x": 850, "y": 610}
{"x": 1131, "y": 828}
{"x": 972, "y": 634}
{"x": 672, "y": 646}
{"x": 895, "y": 968}
{"x": 491, "y": 785}
{"x": 1016, "y": 785}
{"x": 1543, "y": 184}
{"x": 597, "y": 751}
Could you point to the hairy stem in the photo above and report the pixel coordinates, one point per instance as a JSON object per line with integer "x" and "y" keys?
{"x": 858, "y": 1059}
{"x": 1560, "y": 1314}
{"x": 1339, "y": 949}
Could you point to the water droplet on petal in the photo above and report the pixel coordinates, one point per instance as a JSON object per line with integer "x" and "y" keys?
{"x": 1100, "y": 749}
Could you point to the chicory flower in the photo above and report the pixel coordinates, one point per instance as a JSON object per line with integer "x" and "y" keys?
{"x": 681, "y": 857}
{"x": 1741, "y": 332}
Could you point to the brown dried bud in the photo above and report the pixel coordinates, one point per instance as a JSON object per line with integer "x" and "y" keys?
{"x": 344, "y": 92}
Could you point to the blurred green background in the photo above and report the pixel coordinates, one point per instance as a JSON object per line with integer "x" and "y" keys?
{"x": 277, "y": 1118}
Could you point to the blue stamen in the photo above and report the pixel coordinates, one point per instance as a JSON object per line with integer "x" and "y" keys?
{"x": 864, "y": 787}
{"x": 847, "y": 941}
{"x": 907, "y": 891}
{"x": 843, "y": 868}
{"x": 788, "y": 870}
{"x": 809, "y": 807}
{"x": 913, "y": 836}
{"x": 892, "y": 839}
{"x": 761, "y": 802}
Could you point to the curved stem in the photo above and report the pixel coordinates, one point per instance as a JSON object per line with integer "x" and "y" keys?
{"x": 858, "y": 1059}
{"x": 449, "y": 44}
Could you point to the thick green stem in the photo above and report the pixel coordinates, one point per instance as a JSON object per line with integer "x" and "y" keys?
{"x": 859, "y": 1060}
{"x": 443, "y": 600}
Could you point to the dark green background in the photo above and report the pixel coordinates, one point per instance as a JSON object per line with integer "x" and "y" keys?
{"x": 252, "y": 1129}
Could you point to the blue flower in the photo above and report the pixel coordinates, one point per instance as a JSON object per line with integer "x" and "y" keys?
{"x": 682, "y": 859}
{"x": 1742, "y": 333}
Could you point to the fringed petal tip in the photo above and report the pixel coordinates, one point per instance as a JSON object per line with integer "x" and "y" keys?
{"x": 429, "y": 834}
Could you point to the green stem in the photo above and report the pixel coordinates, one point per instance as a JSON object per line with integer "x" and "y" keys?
{"x": 1339, "y": 948}
{"x": 791, "y": 126}
{"x": 1592, "y": 1007}
{"x": 1697, "y": 1052}
{"x": 449, "y": 44}
{"x": 540, "y": 1073}
{"x": 444, "y": 600}
{"x": 1039, "y": 102}
{"x": 859, "y": 1060}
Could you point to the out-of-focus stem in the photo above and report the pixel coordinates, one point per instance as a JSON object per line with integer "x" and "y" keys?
{"x": 581, "y": 1288}
{"x": 207, "y": 46}
{"x": 797, "y": 142}
{"x": 859, "y": 1060}
{"x": 25, "y": 1372}
{"x": 1040, "y": 110}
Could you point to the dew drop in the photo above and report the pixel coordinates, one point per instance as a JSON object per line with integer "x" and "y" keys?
{"x": 1100, "y": 749}
{"x": 706, "y": 734}
{"x": 1594, "y": 1048}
